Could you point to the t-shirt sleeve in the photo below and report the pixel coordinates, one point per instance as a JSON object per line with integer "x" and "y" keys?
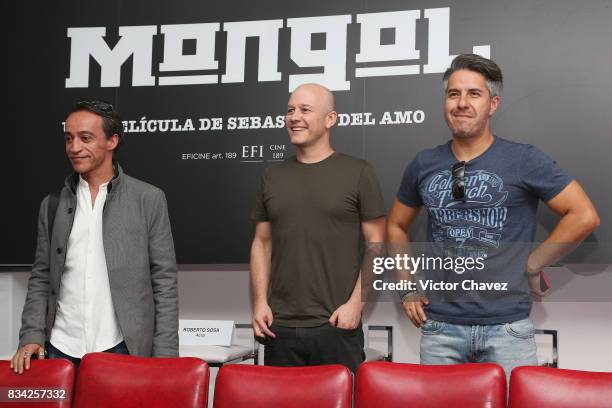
{"x": 371, "y": 202}
{"x": 260, "y": 212}
{"x": 542, "y": 175}
{"x": 408, "y": 192}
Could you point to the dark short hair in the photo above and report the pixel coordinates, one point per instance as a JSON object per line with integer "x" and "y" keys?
{"x": 111, "y": 122}
{"x": 484, "y": 66}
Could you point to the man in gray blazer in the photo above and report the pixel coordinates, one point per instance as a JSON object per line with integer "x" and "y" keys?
{"x": 104, "y": 276}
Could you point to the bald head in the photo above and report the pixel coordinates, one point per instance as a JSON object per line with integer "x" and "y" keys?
{"x": 319, "y": 95}
{"x": 311, "y": 113}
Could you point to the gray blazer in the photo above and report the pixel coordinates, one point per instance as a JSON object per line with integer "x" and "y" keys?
{"x": 139, "y": 257}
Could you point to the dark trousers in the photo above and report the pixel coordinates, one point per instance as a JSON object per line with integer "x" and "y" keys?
{"x": 308, "y": 346}
{"x": 52, "y": 352}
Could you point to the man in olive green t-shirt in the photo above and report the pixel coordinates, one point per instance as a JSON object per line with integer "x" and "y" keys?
{"x": 305, "y": 266}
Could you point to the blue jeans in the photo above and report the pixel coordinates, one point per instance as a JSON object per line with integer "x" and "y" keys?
{"x": 52, "y": 352}
{"x": 509, "y": 345}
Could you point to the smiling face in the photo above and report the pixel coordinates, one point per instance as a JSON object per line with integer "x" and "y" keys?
{"x": 310, "y": 115}
{"x": 87, "y": 147}
{"x": 468, "y": 104}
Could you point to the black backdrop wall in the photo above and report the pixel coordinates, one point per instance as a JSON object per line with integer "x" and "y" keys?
{"x": 168, "y": 66}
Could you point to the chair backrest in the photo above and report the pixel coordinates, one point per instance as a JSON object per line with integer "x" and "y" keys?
{"x": 242, "y": 385}
{"x": 545, "y": 387}
{"x": 116, "y": 380}
{"x": 43, "y": 375}
{"x": 389, "y": 385}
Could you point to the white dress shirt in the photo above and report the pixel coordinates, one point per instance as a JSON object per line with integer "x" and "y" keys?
{"x": 85, "y": 321}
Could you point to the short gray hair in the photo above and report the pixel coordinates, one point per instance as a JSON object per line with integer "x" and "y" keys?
{"x": 484, "y": 66}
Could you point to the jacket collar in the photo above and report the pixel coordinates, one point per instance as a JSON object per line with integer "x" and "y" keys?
{"x": 72, "y": 181}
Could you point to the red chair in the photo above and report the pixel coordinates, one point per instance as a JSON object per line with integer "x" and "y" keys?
{"x": 241, "y": 385}
{"x": 389, "y": 385}
{"x": 545, "y": 387}
{"x": 116, "y": 380}
{"x": 43, "y": 375}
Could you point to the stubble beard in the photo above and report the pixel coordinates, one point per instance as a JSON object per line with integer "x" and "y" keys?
{"x": 473, "y": 132}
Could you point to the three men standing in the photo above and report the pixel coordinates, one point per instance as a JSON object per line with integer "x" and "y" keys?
{"x": 105, "y": 274}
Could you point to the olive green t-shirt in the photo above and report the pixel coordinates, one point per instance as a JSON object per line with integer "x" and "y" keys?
{"x": 315, "y": 211}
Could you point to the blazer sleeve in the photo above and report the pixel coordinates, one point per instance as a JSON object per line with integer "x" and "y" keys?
{"x": 33, "y": 317}
{"x": 162, "y": 261}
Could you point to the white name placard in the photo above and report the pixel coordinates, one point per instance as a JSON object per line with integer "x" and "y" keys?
{"x": 206, "y": 332}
